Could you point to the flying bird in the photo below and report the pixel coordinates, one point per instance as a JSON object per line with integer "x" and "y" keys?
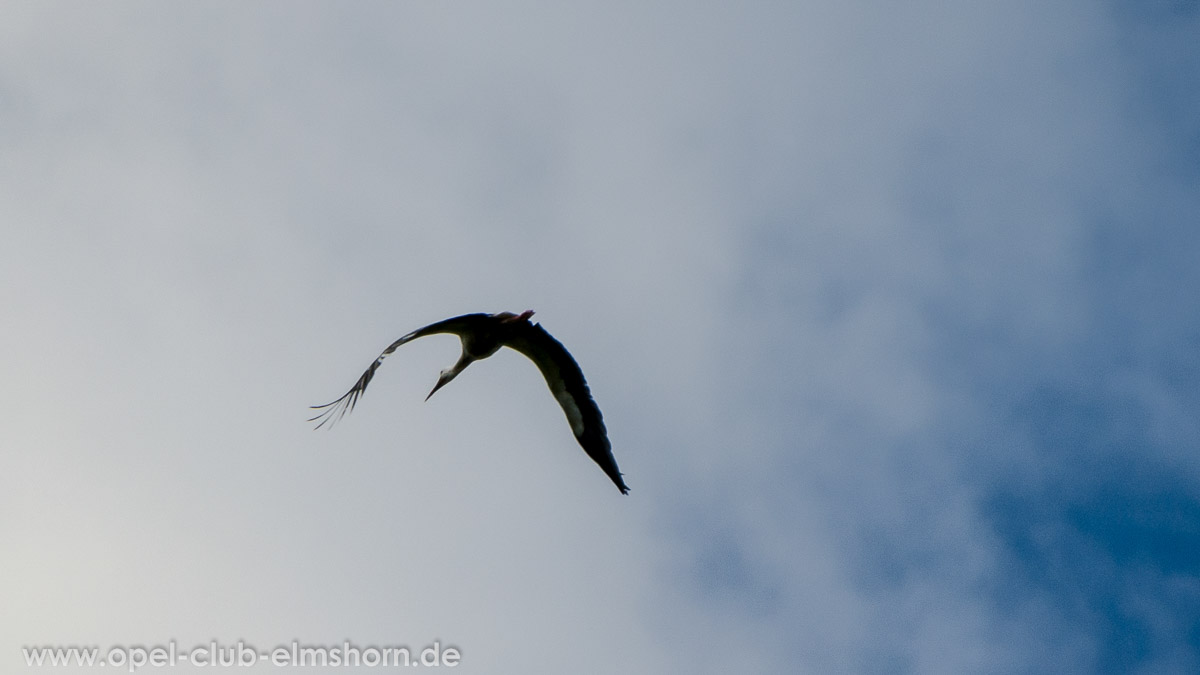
{"x": 483, "y": 335}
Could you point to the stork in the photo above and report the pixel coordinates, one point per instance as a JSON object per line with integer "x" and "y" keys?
{"x": 483, "y": 335}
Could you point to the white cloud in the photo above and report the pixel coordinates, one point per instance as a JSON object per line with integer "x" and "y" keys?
{"x": 788, "y": 245}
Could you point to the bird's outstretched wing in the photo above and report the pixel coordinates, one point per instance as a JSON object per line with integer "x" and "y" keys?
{"x": 571, "y": 391}
{"x": 335, "y": 410}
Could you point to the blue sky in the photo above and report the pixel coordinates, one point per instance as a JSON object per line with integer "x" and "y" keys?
{"x": 890, "y": 310}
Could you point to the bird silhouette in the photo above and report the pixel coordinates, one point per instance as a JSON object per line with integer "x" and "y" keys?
{"x": 483, "y": 335}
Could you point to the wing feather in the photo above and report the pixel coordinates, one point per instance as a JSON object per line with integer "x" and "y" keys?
{"x": 570, "y": 389}
{"x": 335, "y": 410}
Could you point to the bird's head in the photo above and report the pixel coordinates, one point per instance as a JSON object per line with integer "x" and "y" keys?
{"x": 443, "y": 378}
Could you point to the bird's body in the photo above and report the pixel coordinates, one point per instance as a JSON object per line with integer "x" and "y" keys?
{"x": 483, "y": 335}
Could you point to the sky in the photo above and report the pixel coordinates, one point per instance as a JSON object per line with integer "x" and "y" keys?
{"x": 890, "y": 309}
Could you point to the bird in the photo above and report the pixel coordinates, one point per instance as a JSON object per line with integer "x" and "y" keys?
{"x": 483, "y": 335}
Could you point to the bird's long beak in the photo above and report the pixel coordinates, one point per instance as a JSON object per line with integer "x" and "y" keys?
{"x": 451, "y": 373}
{"x": 445, "y": 377}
